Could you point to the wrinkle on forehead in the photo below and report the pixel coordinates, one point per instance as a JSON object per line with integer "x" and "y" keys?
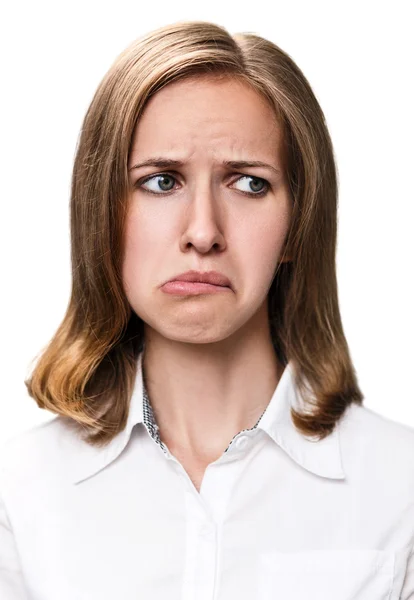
{"x": 224, "y": 119}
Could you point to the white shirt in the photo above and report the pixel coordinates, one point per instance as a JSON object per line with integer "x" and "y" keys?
{"x": 278, "y": 515}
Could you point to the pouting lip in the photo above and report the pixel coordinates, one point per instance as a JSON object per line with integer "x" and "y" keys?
{"x": 213, "y": 277}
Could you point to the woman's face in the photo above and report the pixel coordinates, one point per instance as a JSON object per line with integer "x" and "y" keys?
{"x": 200, "y": 215}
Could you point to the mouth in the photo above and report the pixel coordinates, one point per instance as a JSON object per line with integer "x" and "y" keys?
{"x": 184, "y": 288}
{"x": 214, "y": 278}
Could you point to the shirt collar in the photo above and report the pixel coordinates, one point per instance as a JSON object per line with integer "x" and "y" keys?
{"x": 321, "y": 457}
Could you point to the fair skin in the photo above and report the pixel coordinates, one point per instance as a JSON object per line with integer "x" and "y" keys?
{"x": 209, "y": 363}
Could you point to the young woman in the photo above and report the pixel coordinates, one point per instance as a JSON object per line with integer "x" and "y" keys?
{"x": 210, "y": 439}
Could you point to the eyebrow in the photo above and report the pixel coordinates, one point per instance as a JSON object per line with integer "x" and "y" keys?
{"x": 168, "y": 163}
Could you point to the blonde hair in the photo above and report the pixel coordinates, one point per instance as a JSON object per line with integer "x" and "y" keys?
{"x": 87, "y": 370}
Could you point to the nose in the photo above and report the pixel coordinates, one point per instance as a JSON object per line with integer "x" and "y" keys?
{"x": 203, "y": 221}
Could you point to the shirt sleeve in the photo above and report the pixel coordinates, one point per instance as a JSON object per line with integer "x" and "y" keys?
{"x": 407, "y": 592}
{"x": 12, "y": 584}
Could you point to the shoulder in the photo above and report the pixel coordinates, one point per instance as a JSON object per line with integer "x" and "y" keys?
{"x": 360, "y": 419}
{"x": 32, "y": 454}
{"x": 371, "y": 439}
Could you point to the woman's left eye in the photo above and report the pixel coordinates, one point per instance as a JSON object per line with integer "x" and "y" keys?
{"x": 165, "y": 179}
{"x": 256, "y": 181}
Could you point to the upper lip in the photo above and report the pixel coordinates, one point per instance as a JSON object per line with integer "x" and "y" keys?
{"x": 213, "y": 277}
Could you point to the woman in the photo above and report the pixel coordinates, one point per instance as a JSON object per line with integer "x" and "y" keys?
{"x": 210, "y": 438}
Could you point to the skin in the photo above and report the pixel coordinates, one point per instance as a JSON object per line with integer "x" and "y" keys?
{"x": 209, "y": 362}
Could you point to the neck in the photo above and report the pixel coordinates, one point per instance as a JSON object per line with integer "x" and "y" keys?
{"x": 202, "y": 395}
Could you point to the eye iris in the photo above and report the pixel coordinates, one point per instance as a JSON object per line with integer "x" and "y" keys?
{"x": 162, "y": 178}
{"x": 255, "y": 181}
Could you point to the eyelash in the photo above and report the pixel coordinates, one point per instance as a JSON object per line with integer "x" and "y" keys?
{"x": 139, "y": 183}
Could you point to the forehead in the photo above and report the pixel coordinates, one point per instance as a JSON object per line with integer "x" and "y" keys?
{"x": 208, "y": 113}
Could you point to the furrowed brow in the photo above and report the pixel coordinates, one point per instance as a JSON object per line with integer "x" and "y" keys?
{"x": 169, "y": 163}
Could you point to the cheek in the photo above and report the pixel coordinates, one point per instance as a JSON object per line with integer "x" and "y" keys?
{"x": 151, "y": 223}
{"x": 134, "y": 243}
{"x": 261, "y": 243}
{"x": 146, "y": 239}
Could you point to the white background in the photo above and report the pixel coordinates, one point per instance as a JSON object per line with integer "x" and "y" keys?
{"x": 358, "y": 58}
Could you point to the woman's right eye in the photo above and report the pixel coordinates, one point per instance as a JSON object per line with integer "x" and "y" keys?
{"x": 164, "y": 185}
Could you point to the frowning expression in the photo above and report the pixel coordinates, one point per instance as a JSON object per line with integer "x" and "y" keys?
{"x": 203, "y": 202}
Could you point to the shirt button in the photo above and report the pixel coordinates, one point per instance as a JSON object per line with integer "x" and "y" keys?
{"x": 242, "y": 442}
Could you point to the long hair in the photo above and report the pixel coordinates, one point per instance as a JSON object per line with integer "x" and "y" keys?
{"x": 87, "y": 370}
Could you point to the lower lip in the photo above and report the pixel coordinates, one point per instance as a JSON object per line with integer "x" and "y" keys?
{"x": 184, "y": 288}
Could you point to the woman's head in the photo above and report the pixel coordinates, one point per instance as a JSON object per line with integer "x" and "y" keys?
{"x": 192, "y": 92}
{"x": 205, "y": 214}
